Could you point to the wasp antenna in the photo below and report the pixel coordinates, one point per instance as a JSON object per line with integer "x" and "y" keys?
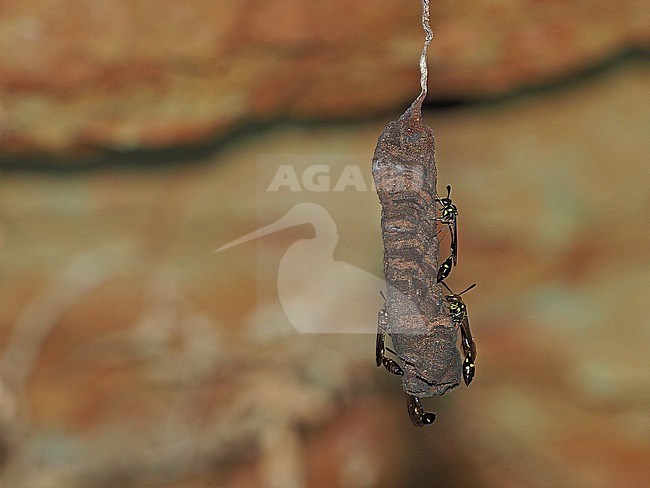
{"x": 445, "y": 285}
{"x": 448, "y": 191}
{"x": 467, "y": 289}
{"x": 381, "y": 292}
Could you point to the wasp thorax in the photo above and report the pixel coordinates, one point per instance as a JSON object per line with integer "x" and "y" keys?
{"x": 457, "y": 308}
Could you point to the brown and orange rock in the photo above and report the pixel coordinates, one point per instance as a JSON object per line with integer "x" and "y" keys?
{"x": 89, "y": 75}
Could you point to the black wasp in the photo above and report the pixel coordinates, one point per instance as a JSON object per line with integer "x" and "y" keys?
{"x": 458, "y": 313}
{"x": 449, "y": 216}
{"x": 380, "y": 347}
{"x": 417, "y": 414}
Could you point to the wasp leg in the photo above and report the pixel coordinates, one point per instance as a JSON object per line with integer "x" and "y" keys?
{"x": 418, "y": 415}
{"x": 406, "y": 361}
{"x": 380, "y": 348}
{"x": 454, "y": 240}
{"x": 469, "y": 349}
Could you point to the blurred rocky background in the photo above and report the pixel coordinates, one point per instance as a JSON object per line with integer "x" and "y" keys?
{"x": 136, "y": 138}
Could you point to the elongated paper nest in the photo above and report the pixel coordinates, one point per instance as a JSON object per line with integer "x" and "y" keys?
{"x": 404, "y": 171}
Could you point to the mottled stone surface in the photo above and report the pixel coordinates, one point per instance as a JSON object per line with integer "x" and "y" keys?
{"x": 81, "y": 75}
{"x": 149, "y": 360}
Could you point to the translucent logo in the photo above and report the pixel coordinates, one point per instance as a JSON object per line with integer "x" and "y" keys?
{"x": 318, "y": 293}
